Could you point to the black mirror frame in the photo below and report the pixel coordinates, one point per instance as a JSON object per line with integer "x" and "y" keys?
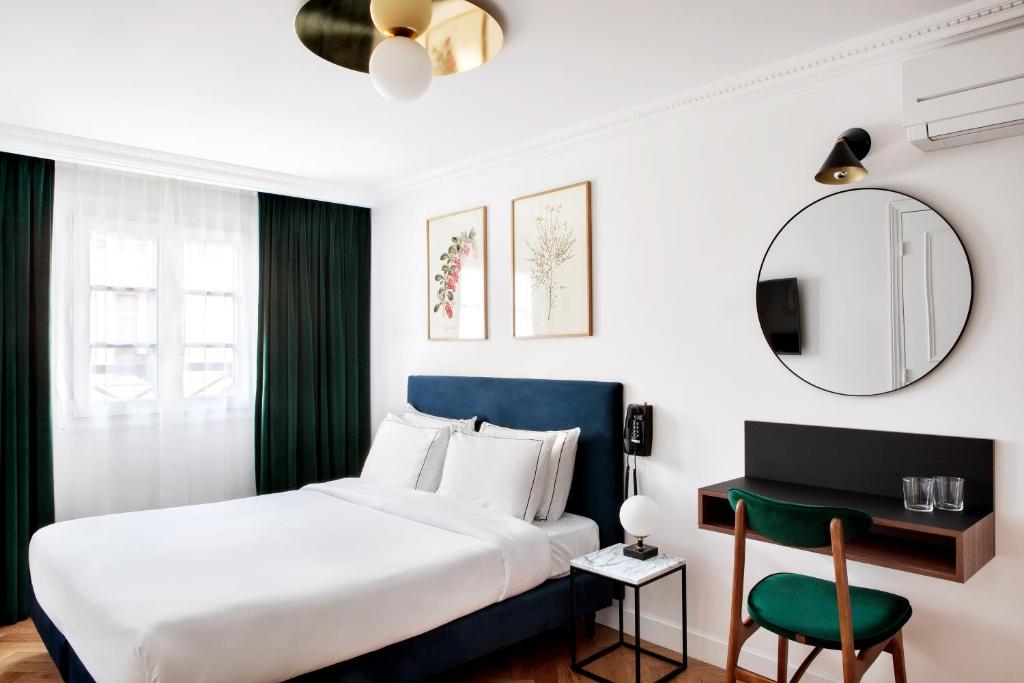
{"x": 967, "y": 318}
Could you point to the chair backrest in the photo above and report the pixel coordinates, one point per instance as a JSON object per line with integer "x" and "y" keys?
{"x": 795, "y": 524}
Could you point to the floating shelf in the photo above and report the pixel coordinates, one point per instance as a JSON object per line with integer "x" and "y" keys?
{"x": 862, "y": 469}
{"x": 946, "y": 545}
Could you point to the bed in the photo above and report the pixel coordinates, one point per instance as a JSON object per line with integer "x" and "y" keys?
{"x": 415, "y": 601}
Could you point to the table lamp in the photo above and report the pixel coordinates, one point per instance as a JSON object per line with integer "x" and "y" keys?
{"x": 639, "y": 516}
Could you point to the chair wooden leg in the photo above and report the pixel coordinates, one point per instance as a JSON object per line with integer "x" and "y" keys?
{"x": 782, "y": 669}
{"x": 736, "y": 625}
{"x": 739, "y": 633}
{"x": 899, "y": 663}
{"x": 804, "y": 665}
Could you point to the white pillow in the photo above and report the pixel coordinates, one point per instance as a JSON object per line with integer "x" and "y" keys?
{"x": 561, "y": 464}
{"x": 399, "y": 453}
{"x": 434, "y": 464}
{"x": 413, "y": 416}
{"x": 496, "y": 472}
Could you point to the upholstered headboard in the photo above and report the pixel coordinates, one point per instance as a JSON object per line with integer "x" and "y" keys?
{"x": 594, "y": 407}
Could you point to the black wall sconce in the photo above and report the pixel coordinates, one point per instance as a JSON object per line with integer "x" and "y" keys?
{"x": 843, "y": 164}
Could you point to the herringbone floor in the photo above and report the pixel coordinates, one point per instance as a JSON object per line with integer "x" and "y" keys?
{"x": 545, "y": 659}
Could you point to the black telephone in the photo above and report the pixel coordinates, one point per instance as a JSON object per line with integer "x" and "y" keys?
{"x": 638, "y": 430}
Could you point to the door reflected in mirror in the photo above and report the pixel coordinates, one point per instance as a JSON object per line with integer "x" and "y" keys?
{"x": 864, "y": 292}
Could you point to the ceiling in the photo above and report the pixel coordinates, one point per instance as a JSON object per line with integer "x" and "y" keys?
{"x": 227, "y": 80}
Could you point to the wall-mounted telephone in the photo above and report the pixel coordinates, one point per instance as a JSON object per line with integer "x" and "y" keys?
{"x": 638, "y": 430}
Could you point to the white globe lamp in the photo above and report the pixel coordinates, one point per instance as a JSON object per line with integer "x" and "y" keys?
{"x": 400, "y": 69}
{"x": 639, "y": 516}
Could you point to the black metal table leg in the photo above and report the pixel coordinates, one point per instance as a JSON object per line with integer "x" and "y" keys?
{"x": 579, "y": 665}
{"x": 636, "y": 629}
{"x": 622, "y": 633}
{"x": 572, "y": 614}
{"x": 686, "y": 638}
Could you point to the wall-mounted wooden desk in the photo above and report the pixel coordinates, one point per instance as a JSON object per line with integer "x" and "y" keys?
{"x": 946, "y": 545}
{"x": 802, "y": 461}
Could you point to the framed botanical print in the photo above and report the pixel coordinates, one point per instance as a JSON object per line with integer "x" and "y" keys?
{"x": 457, "y": 275}
{"x": 551, "y": 270}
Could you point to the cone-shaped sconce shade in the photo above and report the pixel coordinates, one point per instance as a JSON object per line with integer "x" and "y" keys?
{"x": 843, "y": 164}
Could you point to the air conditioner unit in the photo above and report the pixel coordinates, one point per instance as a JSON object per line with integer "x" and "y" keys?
{"x": 966, "y": 93}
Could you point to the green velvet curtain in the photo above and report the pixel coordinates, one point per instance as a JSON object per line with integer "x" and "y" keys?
{"x": 313, "y": 342}
{"x": 26, "y": 463}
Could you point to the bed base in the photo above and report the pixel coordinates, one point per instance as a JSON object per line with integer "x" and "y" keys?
{"x": 475, "y": 635}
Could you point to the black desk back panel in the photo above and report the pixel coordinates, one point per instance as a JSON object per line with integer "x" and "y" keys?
{"x": 866, "y": 461}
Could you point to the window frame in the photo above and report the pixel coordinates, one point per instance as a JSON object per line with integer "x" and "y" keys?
{"x": 170, "y": 346}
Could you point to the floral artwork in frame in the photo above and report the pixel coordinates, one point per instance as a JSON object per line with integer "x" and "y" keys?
{"x": 457, "y": 275}
{"x": 551, "y": 288}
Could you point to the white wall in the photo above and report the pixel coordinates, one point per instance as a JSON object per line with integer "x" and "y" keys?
{"x": 682, "y": 214}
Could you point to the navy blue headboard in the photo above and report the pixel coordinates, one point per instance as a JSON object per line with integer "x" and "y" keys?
{"x": 594, "y": 407}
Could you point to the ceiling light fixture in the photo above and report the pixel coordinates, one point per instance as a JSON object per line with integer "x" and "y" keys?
{"x": 402, "y": 44}
{"x": 843, "y": 166}
{"x": 400, "y": 67}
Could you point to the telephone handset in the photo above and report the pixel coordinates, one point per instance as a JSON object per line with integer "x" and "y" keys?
{"x": 638, "y": 430}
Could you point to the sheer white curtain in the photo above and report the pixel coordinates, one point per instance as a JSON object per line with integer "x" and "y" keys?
{"x": 153, "y": 351}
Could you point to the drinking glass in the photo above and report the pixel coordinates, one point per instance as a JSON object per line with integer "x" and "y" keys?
{"x": 948, "y": 493}
{"x": 917, "y": 493}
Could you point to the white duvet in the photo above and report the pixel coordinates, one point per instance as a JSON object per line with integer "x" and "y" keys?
{"x": 267, "y": 588}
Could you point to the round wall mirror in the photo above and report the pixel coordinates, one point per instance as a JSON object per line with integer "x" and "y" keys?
{"x": 864, "y": 292}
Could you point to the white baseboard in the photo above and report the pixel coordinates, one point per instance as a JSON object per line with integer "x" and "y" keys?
{"x": 704, "y": 647}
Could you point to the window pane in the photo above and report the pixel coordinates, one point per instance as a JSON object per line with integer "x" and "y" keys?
{"x": 122, "y": 318}
{"x": 117, "y": 260}
{"x": 209, "y": 371}
{"x": 209, "y": 319}
{"x": 122, "y": 374}
{"x": 210, "y": 266}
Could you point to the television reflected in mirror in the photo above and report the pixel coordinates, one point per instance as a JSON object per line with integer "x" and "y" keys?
{"x": 864, "y": 291}
{"x": 778, "y": 308}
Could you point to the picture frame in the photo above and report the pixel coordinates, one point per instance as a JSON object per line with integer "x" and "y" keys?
{"x": 552, "y": 280}
{"x": 456, "y": 276}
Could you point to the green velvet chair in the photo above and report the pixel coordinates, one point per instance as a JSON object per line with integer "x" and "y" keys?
{"x": 815, "y": 612}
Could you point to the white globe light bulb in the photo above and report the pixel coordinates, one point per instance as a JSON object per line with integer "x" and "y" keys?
{"x": 400, "y": 69}
{"x": 639, "y": 516}
{"x": 400, "y": 17}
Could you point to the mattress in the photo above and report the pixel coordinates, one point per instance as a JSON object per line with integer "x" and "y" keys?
{"x": 570, "y": 536}
{"x": 267, "y": 588}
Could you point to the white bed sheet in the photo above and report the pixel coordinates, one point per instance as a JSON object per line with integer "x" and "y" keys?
{"x": 570, "y": 536}
{"x": 267, "y": 588}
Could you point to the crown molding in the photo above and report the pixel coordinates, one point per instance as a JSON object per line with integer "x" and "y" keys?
{"x": 79, "y": 150}
{"x": 892, "y": 44}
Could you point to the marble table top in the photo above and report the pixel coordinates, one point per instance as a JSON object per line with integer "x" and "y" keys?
{"x": 611, "y": 563}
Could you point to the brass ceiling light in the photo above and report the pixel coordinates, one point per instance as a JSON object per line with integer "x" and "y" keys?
{"x": 401, "y": 44}
{"x": 843, "y": 166}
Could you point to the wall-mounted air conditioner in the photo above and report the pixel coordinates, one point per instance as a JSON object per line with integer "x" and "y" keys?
{"x": 966, "y": 93}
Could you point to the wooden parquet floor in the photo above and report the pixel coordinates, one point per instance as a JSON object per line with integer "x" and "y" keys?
{"x": 544, "y": 659}
{"x": 23, "y": 659}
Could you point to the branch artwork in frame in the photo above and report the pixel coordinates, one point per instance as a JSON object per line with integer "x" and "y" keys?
{"x": 457, "y": 276}
{"x": 551, "y": 270}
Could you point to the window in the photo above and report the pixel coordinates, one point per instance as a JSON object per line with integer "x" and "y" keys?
{"x": 167, "y": 325}
{"x": 209, "y": 368}
{"x": 122, "y": 317}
